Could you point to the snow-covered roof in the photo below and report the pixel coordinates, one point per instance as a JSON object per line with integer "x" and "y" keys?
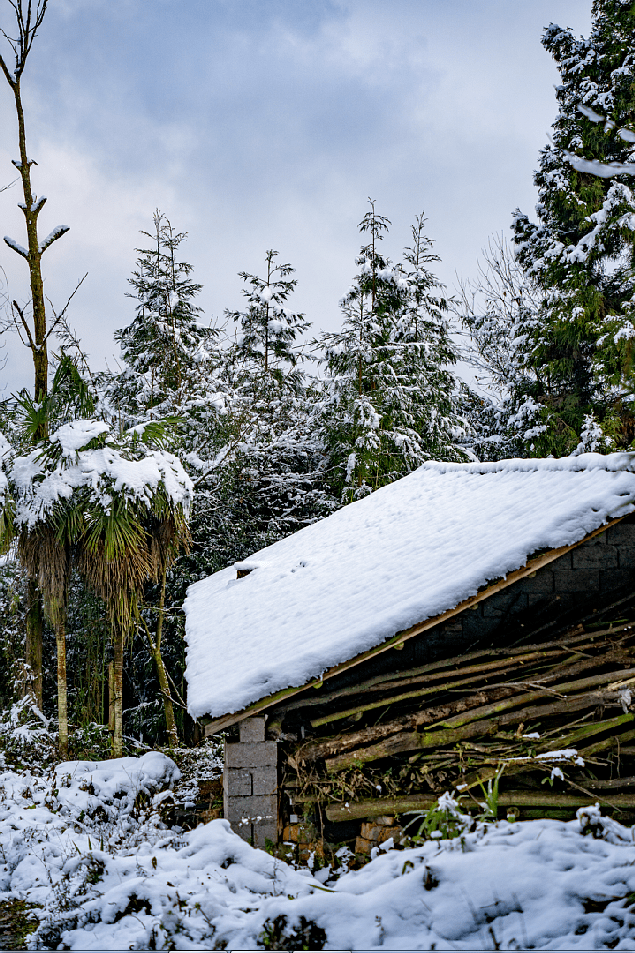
{"x": 406, "y": 553}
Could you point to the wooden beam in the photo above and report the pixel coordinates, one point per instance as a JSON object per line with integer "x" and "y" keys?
{"x": 440, "y": 737}
{"x": 326, "y": 747}
{"x": 357, "y": 810}
{"x": 563, "y": 688}
{"x": 225, "y": 721}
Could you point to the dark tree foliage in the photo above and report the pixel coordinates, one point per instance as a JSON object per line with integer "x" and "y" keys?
{"x": 161, "y": 345}
{"x": 581, "y": 252}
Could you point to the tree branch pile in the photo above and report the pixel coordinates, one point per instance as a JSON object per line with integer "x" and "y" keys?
{"x": 548, "y": 718}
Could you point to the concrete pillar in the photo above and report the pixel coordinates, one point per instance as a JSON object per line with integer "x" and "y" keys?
{"x": 250, "y": 784}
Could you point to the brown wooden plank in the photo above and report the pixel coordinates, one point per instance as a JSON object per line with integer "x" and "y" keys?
{"x": 357, "y": 810}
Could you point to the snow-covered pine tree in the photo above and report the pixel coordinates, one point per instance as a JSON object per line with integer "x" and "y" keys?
{"x": 162, "y": 345}
{"x": 273, "y": 481}
{"x": 582, "y": 250}
{"x": 268, "y": 330}
{"x": 424, "y": 391}
{"x": 389, "y": 405}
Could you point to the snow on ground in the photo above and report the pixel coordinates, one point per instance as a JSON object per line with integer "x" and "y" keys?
{"x": 88, "y": 847}
{"x": 403, "y": 554}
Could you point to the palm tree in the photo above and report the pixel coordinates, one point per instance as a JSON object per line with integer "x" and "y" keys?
{"x": 117, "y": 507}
{"x": 129, "y": 539}
{"x": 47, "y": 534}
{"x": 45, "y": 552}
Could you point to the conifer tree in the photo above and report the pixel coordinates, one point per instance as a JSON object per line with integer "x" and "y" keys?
{"x": 582, "y": 250}
{"x": 274, "y": 482}
{"x": 163, "y": 343}
{"x": 268, "y": 329}
{"x": 498, "y": 311}
{"x": 390, "y": 388}
{"x": 425, "y": 405}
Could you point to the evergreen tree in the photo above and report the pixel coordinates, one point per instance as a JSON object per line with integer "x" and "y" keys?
{"x": 268, "y": 330}
{"x": 424, "y": 398}
{"x": 164, "y": 343}
{"x": 248, "y": 437}
{"x": 274, "y": 481}
{"x": 390, "y": 403}
{"x": 582, "y": 250}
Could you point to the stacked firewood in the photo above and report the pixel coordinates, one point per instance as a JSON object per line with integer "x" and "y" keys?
{"x": 554, "y": 721}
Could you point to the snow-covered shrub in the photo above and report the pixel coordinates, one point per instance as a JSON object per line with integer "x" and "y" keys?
{"x": 12, "y": 625}
{"x": 444, "y": 822}
{"x": 26, "y": 738}
{"x": 280, "y": 934}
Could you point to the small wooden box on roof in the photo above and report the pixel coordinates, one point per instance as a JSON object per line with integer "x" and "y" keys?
{"x": 466, "y": 619}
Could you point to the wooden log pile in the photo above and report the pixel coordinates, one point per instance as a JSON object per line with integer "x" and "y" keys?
{"x": 392, "y": 743}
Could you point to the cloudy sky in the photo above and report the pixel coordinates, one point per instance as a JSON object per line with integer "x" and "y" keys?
{"x": 257, "y": 124}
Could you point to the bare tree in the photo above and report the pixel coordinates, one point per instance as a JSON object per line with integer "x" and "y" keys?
{"x": 28, "y": 16}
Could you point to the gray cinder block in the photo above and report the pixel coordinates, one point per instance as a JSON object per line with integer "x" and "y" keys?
{"x": 237, "y": 782}
{"x": 241, "y": 809}
{"x": 541, "y": 582}
{"x": 250, "y": 784}
{"x": 577, "y": 580}
{"x": 252, "y": 729}
{"x": 240, "y": 782}
{"x": 265, "y": 780}
{"x": 245, "y": 754}
{"x": 594, "y": 557}
{"x": 621, "y": 533}
{"x": 263, "y": 833}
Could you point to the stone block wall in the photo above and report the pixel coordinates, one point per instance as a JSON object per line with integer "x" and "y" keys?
{"x": 577, "y": 581}
{"x": 250, "y": 784}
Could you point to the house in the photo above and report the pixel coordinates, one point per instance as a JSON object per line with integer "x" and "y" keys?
{"x": 468, "y": 619}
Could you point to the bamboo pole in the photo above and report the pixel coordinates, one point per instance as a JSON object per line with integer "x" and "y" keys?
{"x": 444, "y": 667}
{"x": 471, "y": 728}
{"x": 358, "y": 810}
{"x": 327, "y": 747}
{"x": 519, "y": 700}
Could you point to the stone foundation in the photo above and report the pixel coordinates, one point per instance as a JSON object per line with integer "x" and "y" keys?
{"x": 250, "y": 784}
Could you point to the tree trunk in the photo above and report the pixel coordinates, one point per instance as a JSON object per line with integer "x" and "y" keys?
{"x": 173, "y": 737}
{"x": 31, "y": 211}
{"x": 33, "y": 647}
{"x": 37, "y": 343}
{"x": 117, "y": 735}
{"x": 111, "y": 696}
{"x": 62, "y": 694}
{"x": 155, "y": 651}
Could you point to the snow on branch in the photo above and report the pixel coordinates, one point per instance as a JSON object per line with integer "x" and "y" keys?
{"x": 603, "y": 170}
{"x": 18, "y": 248}
{"x": 57, "y": 232}
{"x": 83, "y": 457}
